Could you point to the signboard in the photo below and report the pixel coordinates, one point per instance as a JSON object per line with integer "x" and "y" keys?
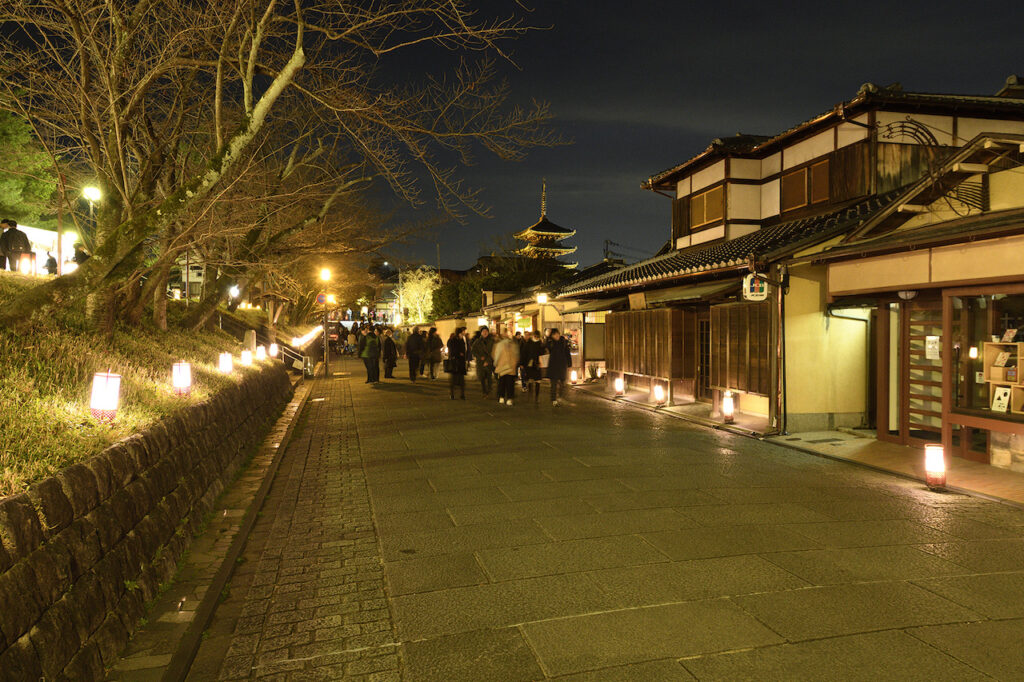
{"x": 1000, "y": 398}
{"x": 638, "y": 301}
{"x": 321, "y": 298}
{"x": 754, "y": 289}
{"x": 933, "y": 347}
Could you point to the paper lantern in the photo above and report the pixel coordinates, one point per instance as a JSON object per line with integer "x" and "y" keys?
{"x": 177, "y": 294}
{"x": 659, "y": 394}
{"x": 574, "y": 376}
{"x": 273, "y": 350}
{"x": 620, "y": 385}
{"x": 246, "y": 358}
{"x": 728, "y": 407}
{"x": 972, "y": 352}
{"x": 261, "y": 353}
{"x": 25, "y": 264}
{"x": 181, "y": 378}
{"x": 226, "y": 363}
{"x": 106, "y": 394}
{"x": 935, "y": 466}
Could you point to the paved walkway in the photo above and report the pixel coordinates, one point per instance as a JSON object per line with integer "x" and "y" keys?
{"x": 413, "y": 537}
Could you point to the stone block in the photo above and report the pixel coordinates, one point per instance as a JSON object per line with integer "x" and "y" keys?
{"x": 87, "y": 605}
{"x": 86, "y": 665}
{"x": 19, "y": 662}
{"x": 142, "y": 499}
{"x": 100, "y": 468}
{"x": 110, "y": 638}
{"x": 20, "y": 530}
{"x": 80, "y": 488}
{"x": 84, "y": 545}
{"x": 52, "y": 506}
{"x": 136, "y": 448}
{"x": 121, "y": 506}
{"x": 5, "y": 559}
{"x": 55, "y": 639}
{"x": 108, "y": 526}
{"x": 122, "y": 466}
{"x": 20, "y": 603}
{"x": 49, "y": 578}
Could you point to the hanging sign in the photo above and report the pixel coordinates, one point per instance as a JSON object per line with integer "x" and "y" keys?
{"x": 933, "y": 347}
{"x": 321, "y": 298}
{"x": 754, "y": 289}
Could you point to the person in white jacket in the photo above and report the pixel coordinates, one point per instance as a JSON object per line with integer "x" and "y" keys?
{"x": 506, "y": 362}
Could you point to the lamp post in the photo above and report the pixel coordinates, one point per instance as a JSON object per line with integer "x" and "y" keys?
{"x": 325, "y": 277}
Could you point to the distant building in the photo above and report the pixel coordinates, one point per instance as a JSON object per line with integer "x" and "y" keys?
{"x": 544, "y": 239}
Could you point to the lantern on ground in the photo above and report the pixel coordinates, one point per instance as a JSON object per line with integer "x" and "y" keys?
{"x": 181, "y": 378}
{"x": 261, "y": 353}
{"x": 728, "y": 407}
{"x": 25, "y": 264}
{"x": 246, "y": 358}
{"x": 272, "y": 351}
{"x": 106, "y": 394}
{"x": 972, "y": 352}
{"x": 600, "y": 372}
{"x": 226, "y": 363}
{"x": 935, "y": 466}
{"x": 659, "y": 394}
{"x": 574, "y": 376}
{"x": 620, "y": 386}
{"x": 176, "y": 293}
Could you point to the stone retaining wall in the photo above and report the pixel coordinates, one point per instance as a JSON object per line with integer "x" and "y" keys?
{"x": 82, "y": 552}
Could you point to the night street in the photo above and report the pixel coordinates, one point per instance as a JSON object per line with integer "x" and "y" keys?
{"x": 602, "y": 542}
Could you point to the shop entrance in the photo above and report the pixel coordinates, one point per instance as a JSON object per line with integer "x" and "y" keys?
{"x": 704, "y": 392}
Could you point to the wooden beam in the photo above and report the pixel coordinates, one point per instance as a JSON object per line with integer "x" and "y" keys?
{"x": 912, "y": 208}
{"x": 970, "y": 168}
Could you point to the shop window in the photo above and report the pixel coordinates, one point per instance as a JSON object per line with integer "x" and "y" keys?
{"x": 988, "y": 351}
{"x": 707, "y": 207}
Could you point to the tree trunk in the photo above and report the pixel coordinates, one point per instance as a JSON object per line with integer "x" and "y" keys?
{"x": 159, "y": 278}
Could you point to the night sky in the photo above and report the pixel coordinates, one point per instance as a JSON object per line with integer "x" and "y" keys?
{"x": 640, "y": 87}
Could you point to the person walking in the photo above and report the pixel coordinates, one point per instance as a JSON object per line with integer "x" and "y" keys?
{"x": 13, "y": 243}
{"x": 414, "y": 352}
{"x": 558, "y": 364}
{"x": 457, "y": 364}
{"x": 520, "y": 340}
{"x": 483, "y": 355}
{"x": 390, "y": 355}
{"x": 506, "y": 362}
{"x": 370, "y": 354}
{"x": 434, "y": 346}
{"x": 350, "y": 349}
{"x": 530, "y": 359}
{"x": 51, "y": 264}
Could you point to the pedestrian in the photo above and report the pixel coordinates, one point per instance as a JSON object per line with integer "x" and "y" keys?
{"x": 13, "y": 243}
{"x": 560, "y": 358}
{"x": 506, "y": 362}
{"x": 483, "y": 355}
{"x": 520, "y": 340}
{"x": 81, "y": 255}
{"x": 425, "y": 356}
{"x": 350, "y": 349}
{"x": 51, "y": 264}
{"x": 414, "y": 348}
{"x": 456, "y": 363}
{"x": 390, "y": 355}
{"x": 434, "y": 346}
{"x": 530, "y": 360}
{"x": 370, "y": 353}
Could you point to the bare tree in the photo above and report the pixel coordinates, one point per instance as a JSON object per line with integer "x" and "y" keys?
{"x": 163, "y": 102}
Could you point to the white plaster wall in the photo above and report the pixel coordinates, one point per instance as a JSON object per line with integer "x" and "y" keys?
{"x": 770, "y": 165}
{"x": 1006, "y": 189}
{"x": 707, "y": 235}
{"x": 969, "y": 128}
{"x": 769, "y": 199}
{"x": 708, "y": 176}
{"x": 683, "y": 187}
{"x": 849, "y": 133}
{"x": 811, "y": 148}
{"x": 743, "y": 202}
{"x": 749, "y": 169}
{"x": 732, "y": 230}
{"x": 941, "y": 126}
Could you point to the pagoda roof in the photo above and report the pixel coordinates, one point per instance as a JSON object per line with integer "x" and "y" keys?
{"x": 545, "y": 227}
{"x": 558, "y": 250}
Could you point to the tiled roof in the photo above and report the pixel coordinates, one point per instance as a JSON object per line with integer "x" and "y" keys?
{"x": 545, "y": 226}
{"x": 780, "y": 239}
{"x": 868, "y": 95}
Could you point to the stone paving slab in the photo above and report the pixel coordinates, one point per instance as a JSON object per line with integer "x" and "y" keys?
{"x": 419, "y": 538}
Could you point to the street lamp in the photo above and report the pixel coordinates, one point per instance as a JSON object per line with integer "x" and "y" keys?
{"x": 325, "y": 277}
{"x": 542, "y": 300}
{"x": 92, "y": 194}
{"x": 234, "y": 291}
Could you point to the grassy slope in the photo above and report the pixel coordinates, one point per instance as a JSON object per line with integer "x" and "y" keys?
{"x": 46, "y": 374}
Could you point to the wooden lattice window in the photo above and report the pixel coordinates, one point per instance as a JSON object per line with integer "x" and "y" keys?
{"x": 707, "y": 207}
{"x": 819, "y": 182}
{"x": 794, "y": 190}
{"x": 740, "y": 347}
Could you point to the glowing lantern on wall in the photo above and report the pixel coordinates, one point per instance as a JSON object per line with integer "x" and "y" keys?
{"x": 620, "y": 385}
{"x": 728, "y": 407}
{"x": 261, "y": 353}
{"x": 273, "y": 350}
{"x": 935, "y": 466}
{"x": 226, "y": 363}
{"x": 659, "y": 394}
{"x": 106, "y": 394}
{"x": 246, "y": 358}
{"x": 181, "y": 378}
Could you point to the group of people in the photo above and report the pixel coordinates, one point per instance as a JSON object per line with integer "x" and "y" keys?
{"x": 527, "y": 358}
{"x": 15, "y": 245}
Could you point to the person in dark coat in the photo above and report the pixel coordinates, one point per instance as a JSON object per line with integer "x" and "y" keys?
{"x": 51, "y": 264}
{"x": 457, "y": 363}
{"x": 483, "y": 355}
{"x": 371, "y": 357}
{"x": 414, "y": 348}
{"x": 529, "y": 359}
{"x": 425, "y": 357}
{"x": 434, "y": 346}
{"x": 13, "y": 242}
{"x": 390, "y": 355}
{"x": 558, "y": 364}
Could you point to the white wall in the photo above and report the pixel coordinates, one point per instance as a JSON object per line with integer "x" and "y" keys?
{"x": 748, "y": 169}
{"x": 808, "y": 149}
{"x": 708, "y": 176}
{"x": 743, "y": 202}
{"x": 940, "y": 126}
{"x": 770, "y": 199}
{"x": 969, "y": 128}
{"x": 850, "y": 133}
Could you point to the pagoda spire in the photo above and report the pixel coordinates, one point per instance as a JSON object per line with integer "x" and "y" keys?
{"x": 543, "y": 197}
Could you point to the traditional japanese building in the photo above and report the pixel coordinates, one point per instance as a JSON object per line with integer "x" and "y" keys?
{"x": 544, "y": 238}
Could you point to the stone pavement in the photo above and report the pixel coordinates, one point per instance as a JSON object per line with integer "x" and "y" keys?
{"x": 413, "y": 537}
